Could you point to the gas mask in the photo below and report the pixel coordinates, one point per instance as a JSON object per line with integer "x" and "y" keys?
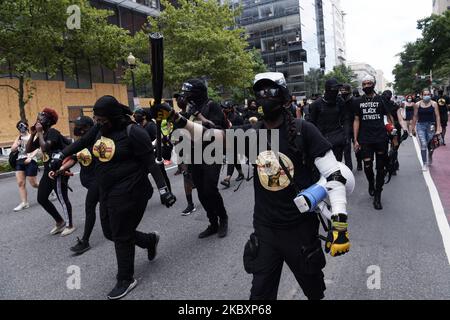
{"x": 22, "y": 127}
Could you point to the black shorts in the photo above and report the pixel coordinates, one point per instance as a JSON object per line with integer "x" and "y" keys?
{"x": 31, "y": 169}
{"x": 369, "y": 149}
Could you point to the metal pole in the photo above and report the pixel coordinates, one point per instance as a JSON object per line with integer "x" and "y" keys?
{"x": 134, "y": 85}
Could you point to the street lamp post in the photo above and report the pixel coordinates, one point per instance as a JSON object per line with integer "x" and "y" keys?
{"x": 132, "y": 64}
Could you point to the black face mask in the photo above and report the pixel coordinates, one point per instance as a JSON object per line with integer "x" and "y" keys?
{"x": 78, "y": 131}
{"x": 139, "y": 118}
{"x": 272, "y": 109}
{"x": 369, "y": 90}
{"x": 345, "y": 96}
{"x": 331, "y": 95}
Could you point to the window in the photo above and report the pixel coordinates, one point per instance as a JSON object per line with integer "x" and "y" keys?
{"x": 81, "y": 77}
{"x": 266, "y": 11}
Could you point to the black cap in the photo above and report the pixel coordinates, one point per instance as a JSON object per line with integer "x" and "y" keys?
{"x": 84, "y": 121}
{"x": 195, "y": 85}
{"x": 108, "y": 106}
{"x": 332, "y": 84}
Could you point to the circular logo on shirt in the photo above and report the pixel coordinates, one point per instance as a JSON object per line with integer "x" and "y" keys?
{"x": 270, "y": 173}
{"x": 104, "y": 149}
{"x": 84, "y": 157}
{"x": 441, "y": 102}
{"x": 45, "y": 157}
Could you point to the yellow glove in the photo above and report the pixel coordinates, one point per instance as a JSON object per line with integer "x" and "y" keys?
{"x": 338, "y": 242}
{"x": 162, "y": 111}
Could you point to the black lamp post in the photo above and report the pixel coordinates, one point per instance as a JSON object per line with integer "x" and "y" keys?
{"x": 132, "y": 64}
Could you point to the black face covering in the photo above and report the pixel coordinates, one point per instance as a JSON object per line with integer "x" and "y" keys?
{"x": 331, "y": 95}
{"x": 139, "y": 118}
{"x": 272, "y": 108}
{"x": 79, "y": 131}
{"x": 369, "y": 90}
{"x": 345, "y": 96}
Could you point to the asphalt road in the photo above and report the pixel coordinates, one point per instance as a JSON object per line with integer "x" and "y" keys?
{"x": 403, "y": 242}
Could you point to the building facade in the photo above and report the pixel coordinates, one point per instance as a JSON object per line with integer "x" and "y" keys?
{"x": 440, "y": 6}
{"x": 85, "y": 86}
{"x": 295, "y": 36}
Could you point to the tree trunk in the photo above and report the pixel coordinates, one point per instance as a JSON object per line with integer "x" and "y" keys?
{"x": 22, "y": 102}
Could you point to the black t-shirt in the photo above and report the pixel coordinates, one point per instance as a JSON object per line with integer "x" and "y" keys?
{"x": 371, "y": 112}
{"x": 327, "y": 116}
{"x": 443, "y": 102}
{"x": 150, "y": 127}
{"x": 274, "y": 196}
{"x": 235, "y": 119}
{"x": 56, "y": 142}
{"x": 87, "y": 166}
{"x": 213, "y": 112}
{"x": 121, "y": 160}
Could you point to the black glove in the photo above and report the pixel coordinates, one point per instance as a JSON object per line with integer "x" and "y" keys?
{"x": 162, "y": 111}
{"x": 167, "y": 197}
{"x": 56, "y": 162}
{"x": 338, "y": 242}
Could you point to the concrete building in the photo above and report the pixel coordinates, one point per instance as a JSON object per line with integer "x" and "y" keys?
{"x": 362, "y": 69}
{"x": 295, "y": 36}
{"x": 68, "y": 94}
{"x": 440, "y": 6}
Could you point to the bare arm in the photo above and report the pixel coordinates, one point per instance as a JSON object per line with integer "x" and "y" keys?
{"x": 15, "y": 145}
{"x": 30, "y": 147}
{"x": 356, "y": 124}
{"x": 415, "y": 117}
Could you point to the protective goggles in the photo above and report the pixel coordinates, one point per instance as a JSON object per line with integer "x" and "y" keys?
{"x": 187, "y": 87}
{"x": 268, "y": 93}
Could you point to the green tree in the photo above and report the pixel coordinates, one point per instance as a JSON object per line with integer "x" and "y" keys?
{"x": 314, "y": 81}
{"x": 342, "y": 74}
{"x": 429, "y": 53}
{"x": 202, "y": 40}
{"x": 35, "y": 37}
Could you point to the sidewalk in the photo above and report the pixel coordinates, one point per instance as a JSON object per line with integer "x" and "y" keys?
{"x": 440, "y": 172}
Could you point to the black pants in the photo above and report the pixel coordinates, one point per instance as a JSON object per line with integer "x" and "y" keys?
{"x": 92, "y": 198}
{"x": 380, "y": 151}
{"x": 300, "y": 248}
{"x": 60, "y": 186}
{"x": 348, "y": 155}
{"x": 338, "y": 152}
{"x": 230, "y": 169}
{"x": 205, "y": 179}
{"x": 120, "y": 216}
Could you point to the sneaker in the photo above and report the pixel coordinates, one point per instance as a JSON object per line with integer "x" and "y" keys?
{"x": 430, "y": 158}
{"x": 81, "y": 247}
{"x": 208, "y": 232}
{"x": 240, "y": 177}
{"x": 152, "y": 251}
{"x": 190, "y": 208}
{"x": 58, "y": 228}
{"x": 122, "y": 288}
{"x": 223, "y": 228}
{"x": 424, "y": 168}
{"x": 67, "y": 231}
{"x": 225, "y": 183}
{"x": 23, "y": 205}
{"x": 53, "y": 196}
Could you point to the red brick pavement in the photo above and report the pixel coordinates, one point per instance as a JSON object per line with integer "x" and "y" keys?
{"x": 440, "y": 172}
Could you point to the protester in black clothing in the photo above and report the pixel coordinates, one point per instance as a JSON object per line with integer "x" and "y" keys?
{"x": 282, "y": 232}
{"x": 347, "y": 102}
{"x": 328, "y": 115}
{"x": 143, "y": 117}
{"x": 395, "y": 139}
{"x": 87, "y": 177}
{"x": 235, "y": 120}
{"x": 123, "y": 157}
{"x": 251, "y": 112}
{"x": 206, "y": 176}
{"x": 371, "y": 136}
{"x": 356, "y": 93}
{"x": 443, "y": 103}
{"x": 184, "y": 168}
{"x": 51, "y": 141}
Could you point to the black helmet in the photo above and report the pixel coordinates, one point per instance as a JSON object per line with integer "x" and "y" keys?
{"x": 195, "y": 90}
